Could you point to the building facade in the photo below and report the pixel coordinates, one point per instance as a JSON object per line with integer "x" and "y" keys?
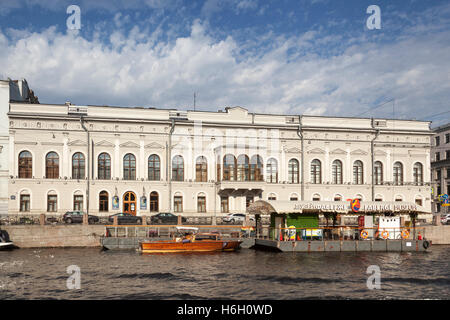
{"x": 105, "y": 160}
{"x": 10, "y": 90}
{"x": 440, "y": 168}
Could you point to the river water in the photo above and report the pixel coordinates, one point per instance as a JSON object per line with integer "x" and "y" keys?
{"x": 247, "y": 274}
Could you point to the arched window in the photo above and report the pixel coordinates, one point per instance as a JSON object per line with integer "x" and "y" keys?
{"x": 201, "y": 202}
{"x": 272, "y": 171}
{"x": 358, "y": 172}
{"x": 336, "y": 171}
{"x": 129, "y": 167}
{"x": 154, "y": 168}
{"x": 154, "y": 201}
{"x": 178, "y": 168}
{"x": 293, "y": 176}
{"x": 229, "y": 168}
{"x": 243, "y": 168}
{"x": 103, "y": 201}
{"x": 398, "y": 173}
{"x": 272, "y": 196}
{"x": 337, "y": 197}
{"x": 256, "y": 168}
{"x": 104, "y": 166}
{"x": 293, "y": 197}
{"x": 178, "y": 202}
{"x": 418, "y": 173}
{"x": 316, "y": 197}
{"x": 316, "y": 171}
{"x": 52, "y": 165}
{"x": 78, "y": 166}
{"x": 25, "y": 165}
{"x": 201, "y": 169}
{"x": 378, "y": 172}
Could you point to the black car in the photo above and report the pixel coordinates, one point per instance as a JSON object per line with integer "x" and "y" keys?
{"x": 77, "y": 217}
{"x": 123, "y": 218}
{"x": 166, "y": 217}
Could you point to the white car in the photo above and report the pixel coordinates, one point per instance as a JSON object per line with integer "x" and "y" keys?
{"x": 236, "y": 217}
{"x": 445, "y": 219}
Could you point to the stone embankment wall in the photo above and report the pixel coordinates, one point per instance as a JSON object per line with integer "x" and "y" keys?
{"x": 438, "y": 234}
{"x": 36, "y": 236}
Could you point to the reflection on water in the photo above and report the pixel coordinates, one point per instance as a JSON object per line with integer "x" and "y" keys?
{"x": 247, "y": 274}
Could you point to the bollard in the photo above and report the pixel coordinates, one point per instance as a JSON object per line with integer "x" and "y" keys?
{"x": 144, "y": 220}
{"x": 116, "y": 220}
{"x": 42, "y": 219}
{"x": 85, "y": 218}
{"x": 179, "y": 220}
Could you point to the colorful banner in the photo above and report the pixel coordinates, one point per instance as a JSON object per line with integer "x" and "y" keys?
{"x": 115, "y": 203}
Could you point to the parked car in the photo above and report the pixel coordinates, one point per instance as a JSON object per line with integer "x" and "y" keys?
{"x": 236, "y": 217}
{"x": 166, "y": 217}
{"x": 124, "y": 218}
{"x": 445, "y": 219}
{"x": 77, "y": 217}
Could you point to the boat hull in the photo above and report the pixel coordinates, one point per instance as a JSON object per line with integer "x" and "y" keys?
{"x": 196, "y": 246}
{"x": 6, "y": 245}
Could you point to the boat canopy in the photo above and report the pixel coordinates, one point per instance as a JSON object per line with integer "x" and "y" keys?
{"x": 187, "y": 229}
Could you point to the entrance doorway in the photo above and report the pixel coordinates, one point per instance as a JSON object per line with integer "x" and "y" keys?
{"x": 129, "y": 203}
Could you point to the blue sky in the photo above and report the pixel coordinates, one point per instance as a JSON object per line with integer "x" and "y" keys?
{"x": 304, "y": 56}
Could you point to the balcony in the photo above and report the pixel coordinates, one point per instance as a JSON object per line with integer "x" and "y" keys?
{"x": 241, "y": 185}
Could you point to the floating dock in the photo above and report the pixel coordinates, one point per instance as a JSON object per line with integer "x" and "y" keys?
{"x": 344, "y": 245}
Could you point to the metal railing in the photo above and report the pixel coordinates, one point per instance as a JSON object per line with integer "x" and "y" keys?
{"x": 341, "y": 233}
{"x": 169, "y": 231}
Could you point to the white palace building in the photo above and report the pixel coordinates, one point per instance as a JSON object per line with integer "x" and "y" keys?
{"x": 104, "y": 159}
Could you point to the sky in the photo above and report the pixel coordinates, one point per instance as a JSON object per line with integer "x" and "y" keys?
{"x": 316, "y": 57}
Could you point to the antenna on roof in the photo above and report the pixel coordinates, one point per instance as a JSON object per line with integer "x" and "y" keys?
{"x": 194, "y": 99}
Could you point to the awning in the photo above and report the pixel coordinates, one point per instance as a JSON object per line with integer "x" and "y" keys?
{"x": 342, "y": 207}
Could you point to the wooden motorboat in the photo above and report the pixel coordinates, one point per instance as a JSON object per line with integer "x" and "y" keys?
{"x": 192, "y": 242}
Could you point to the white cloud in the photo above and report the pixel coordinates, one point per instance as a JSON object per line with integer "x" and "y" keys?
{"x": 134, "y": 69}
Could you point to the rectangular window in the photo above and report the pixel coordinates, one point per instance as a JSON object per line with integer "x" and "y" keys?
{"x": 178, "y": 204}
{"x": 52, "y": 203}
{"x": 447, "y": 154}
{"x": 201, "y": 204}
{"x": 248, "y": 201}
{"x": 78, "y": 203}
{"x": 447, "y": 138}
{"x": 24, "y": 203}
{"x": 224, "y": 205}
{"x": 437, "y": 140}
{"x": 438, "y": 156}
{"x": 293, "y": 198}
